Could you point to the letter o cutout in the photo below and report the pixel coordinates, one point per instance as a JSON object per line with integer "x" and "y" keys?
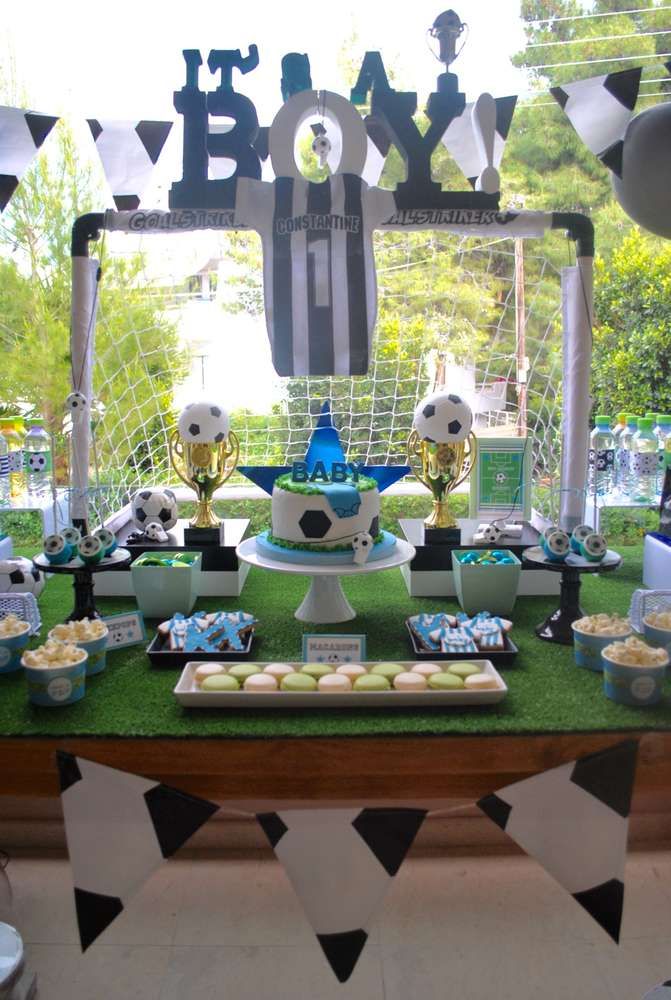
{"x": 297, "y": 110}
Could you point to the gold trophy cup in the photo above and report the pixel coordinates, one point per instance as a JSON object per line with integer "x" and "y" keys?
{"x": 203, "y": 465}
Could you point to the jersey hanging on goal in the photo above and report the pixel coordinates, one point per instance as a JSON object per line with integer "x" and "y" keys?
{"x": 318, "y": 270}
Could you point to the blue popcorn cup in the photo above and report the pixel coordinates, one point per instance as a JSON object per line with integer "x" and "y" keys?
{"x": 11, "y": 649}
{"x": 658, "y": 637}
{"x": 54, "y": 687}
{"x": 628, "y": 685}
{"x": 97, "y": 652}
{"x": 587, "y": 647}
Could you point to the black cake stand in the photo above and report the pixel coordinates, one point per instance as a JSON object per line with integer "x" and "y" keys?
{"x": 82, "y": 583}
{"x": 557, "y": 626}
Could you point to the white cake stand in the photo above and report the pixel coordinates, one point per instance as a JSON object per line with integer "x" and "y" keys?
{"x": 325, "y": 602}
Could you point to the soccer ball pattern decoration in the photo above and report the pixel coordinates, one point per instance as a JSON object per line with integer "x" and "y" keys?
{"x": 593, "y": 547}
{"x": 578, "y": 535}
{"x": 556, "y": 545}
{"x": 19, "y": 576}
{"x": 443, "y": 418}
{"x": 155, "y": 532}
{"x": 76, "y": 403}
{"x": 492, "y": 534}
{"x": 157, "y": 506}
{"x": 203, "y": 423}
{"x": 37, "y": 462}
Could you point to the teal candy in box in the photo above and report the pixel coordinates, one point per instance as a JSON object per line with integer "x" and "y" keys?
{"x": 166, "y": 582}
{"x": 486, "y": 578}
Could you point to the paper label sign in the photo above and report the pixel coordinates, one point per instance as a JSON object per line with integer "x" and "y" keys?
{"x": 125, "y": 630}
{"x": 334, "y": 648}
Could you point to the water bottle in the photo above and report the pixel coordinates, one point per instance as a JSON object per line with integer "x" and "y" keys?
{"x": 622, "y": 455}
{"x": 619, "y": 426}
{"x": 665, "y": 499}
{"x": 662, "y": 431}
{"x": 37, "y": 455}
{"x": 643, "y": 463}
{"x": 601, "y": 458}
{"x": 4, "y": 470}
{"x": 14, "y": 439}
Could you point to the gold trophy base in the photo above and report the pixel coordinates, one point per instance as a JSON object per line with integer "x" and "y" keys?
{"x": 440, "y": 528}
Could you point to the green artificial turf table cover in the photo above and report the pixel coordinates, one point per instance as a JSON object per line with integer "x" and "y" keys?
{"x": 547, "y": 692}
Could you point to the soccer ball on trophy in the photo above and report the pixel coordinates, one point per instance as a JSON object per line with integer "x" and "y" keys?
{"x": 204, "y": 453}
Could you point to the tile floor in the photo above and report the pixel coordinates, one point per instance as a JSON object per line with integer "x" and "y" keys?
{"x": 464, "y": 928}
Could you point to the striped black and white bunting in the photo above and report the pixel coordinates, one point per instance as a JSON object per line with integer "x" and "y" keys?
{"x": 574, "y": 821}
{"x": 119, "y": 829}
{"x": 128, "y": 152}
{"x": 21, "y": 135}
{"x": 460, "y": 140}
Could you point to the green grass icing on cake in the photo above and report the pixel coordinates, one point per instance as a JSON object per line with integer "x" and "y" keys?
{"x": 285, "y": 482}
{"x": 315, "y": 546}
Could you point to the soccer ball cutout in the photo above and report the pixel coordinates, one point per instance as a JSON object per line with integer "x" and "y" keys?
{"x": 593, "y": 547}
{"x": 492, "y": 534}
{"x": 37, "y": 462}
{"x": 443, "y": 418}
{"x": 158, "y": 506}
{"x": 203, "y": 423}
{"x": 19, "y": 576}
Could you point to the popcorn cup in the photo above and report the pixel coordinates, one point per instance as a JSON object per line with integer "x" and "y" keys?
{"x": 53, "y": 687}
{"x": 630, "y": 685}
{"x": 656, "y": 636}
{"x": 97, "y": 652}
{"x": 11, "y": 648}
{"x": 587, "y": 647}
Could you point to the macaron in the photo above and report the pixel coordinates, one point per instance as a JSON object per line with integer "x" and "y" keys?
{"x": 207, "y": 670}
{"x": 409, "y": 681}
{"x": 371, "y": 682}
{"x": 351, "y": 670}
{"x": 241, "y": 671}
{"x": 426, "y": 669}
{"x": 445, "y": 682}
{"x": 481, "y": 682}
{"x": 278, "y": 670}
{"x": 260, "y": 683}
{"x": 464, "y": 669}
{"x": 388, "y": 670}
{"x": 298, "y": 683}
{"x": 335, "y": 684}
{"x": 219, "y": 682}
{"x": 317, "y": 670}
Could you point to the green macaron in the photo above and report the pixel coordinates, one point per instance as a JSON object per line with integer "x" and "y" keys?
{"x": 241, "y": 671}
{"x": 371, "y": 682}
{"x": 317, "y": 670}
{"x": 298, "y": 683}
{"x": 220, "y": 682}
{"x": 464, "y": 669}
{"x": 446, "y": 682}
{"x": 388, "y": 670}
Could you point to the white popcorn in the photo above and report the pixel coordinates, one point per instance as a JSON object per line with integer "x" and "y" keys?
{"x": 634, "y": 653}
{"x": 84, "y": 630}
{"x": 659, "y": 619}
{"x": 603, "y": 625}
{"x": 54, "y": 654}
{"x": 11, "y": 626}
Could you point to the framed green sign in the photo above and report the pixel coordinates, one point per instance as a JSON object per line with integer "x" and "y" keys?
{"x": 501, "y": 479}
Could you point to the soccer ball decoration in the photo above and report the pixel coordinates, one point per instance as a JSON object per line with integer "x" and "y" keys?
{"x": 108, "y": 540}
{"x": 556, "y": 545}
{"x": 57, "y": 550}
{"x": 643, "y": 190}
{"x": 578, "y": 535}
{"x": 77, "y": 404}
{"x": 155, "y": 532}
{"x": 154, "y": 506}
{"x": 593, "y": 547}
{"x": 37, "y": 462}
{"x": 443, "y": 418}
{"x": 19, "y": 576}
{"x": 321, "y": 147}
{"x": 492, "y": 534}
{"x": 203, "y": 423}
{"x": 362, "y": 543}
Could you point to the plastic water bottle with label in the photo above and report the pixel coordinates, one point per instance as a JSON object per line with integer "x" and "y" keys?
{"x": 601, "y": 458}
{"x": 14, "y": 438}
{"x": 662, "y": 431}
{"x": 37, "y": 454}
{"x": 665, "y": 499}
{"x": 643, "y": 463}
{"x": 4, "y": 470}
{"x": 622, "y": 455}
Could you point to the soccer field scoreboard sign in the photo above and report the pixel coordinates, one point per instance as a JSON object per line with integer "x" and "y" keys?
{"x": 501, "y": 479}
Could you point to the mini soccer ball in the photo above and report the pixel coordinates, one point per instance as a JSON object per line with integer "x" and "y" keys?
{"x": 72, "y": 535}
{"x": 76, "y": 403}
{"x": 37, "y": 462}
{"x": 593, "y": 547}
{"x": 501, "y": 478}
{"x": 492, "y": 534}
{"x": 578, "y": 535}
{"x": 19, "y": 576}
{"x": 57, "y": 550}
{"x": 155, "y": 533}
{"x": 321, "y": 146}
{"x": 203, "y": 423}
{"x": 443, "y": 418}
{"x": 159, "y": 506}
{"x": 90, "y": 550}
{"x": 556, "y": 545}
{"x": 108, "y": 540}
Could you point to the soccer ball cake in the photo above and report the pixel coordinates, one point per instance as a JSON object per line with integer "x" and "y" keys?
{"x": 443, "y": 418}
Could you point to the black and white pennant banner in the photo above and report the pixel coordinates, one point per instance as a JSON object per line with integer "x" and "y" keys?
{"x": 128, "y": 152}
{"x": 600, "y": 109}
{"x": 21, "y": 135}
{"x": 119, "y": 829}
{"x": 340, "y": 863}
{"x": 574, "y": 821}
{"x": 464, "y": 140}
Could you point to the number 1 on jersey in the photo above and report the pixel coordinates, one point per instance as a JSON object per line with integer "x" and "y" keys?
{"x": 319, "y": 273}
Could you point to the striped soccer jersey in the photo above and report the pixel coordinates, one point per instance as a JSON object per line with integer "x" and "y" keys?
{"x": 318, "y": 269}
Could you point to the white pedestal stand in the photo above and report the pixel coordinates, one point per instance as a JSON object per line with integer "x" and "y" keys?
{"x": 325, "y": 603}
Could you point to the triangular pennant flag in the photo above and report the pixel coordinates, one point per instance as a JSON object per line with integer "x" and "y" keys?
{"x": 21, "y": 135}
{"x": 119, "y": 828}
{"x": 128, "y": 152}
{"x": 574, "y": 820}
{"x": 460, "y": 141}
{"x": 340, "y": 863}
{"x": 600, "y": 108}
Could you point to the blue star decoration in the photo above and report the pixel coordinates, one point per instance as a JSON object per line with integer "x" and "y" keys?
{"x": 324, "y": 446}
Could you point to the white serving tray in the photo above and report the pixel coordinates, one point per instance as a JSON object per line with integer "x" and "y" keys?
{"x": 187, "y": 693}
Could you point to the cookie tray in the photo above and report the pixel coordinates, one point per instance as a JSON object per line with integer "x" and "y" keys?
{"x": 501, "y": 657}
{"x": 161, "y": 655}
{"x": 188, "y": 694}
